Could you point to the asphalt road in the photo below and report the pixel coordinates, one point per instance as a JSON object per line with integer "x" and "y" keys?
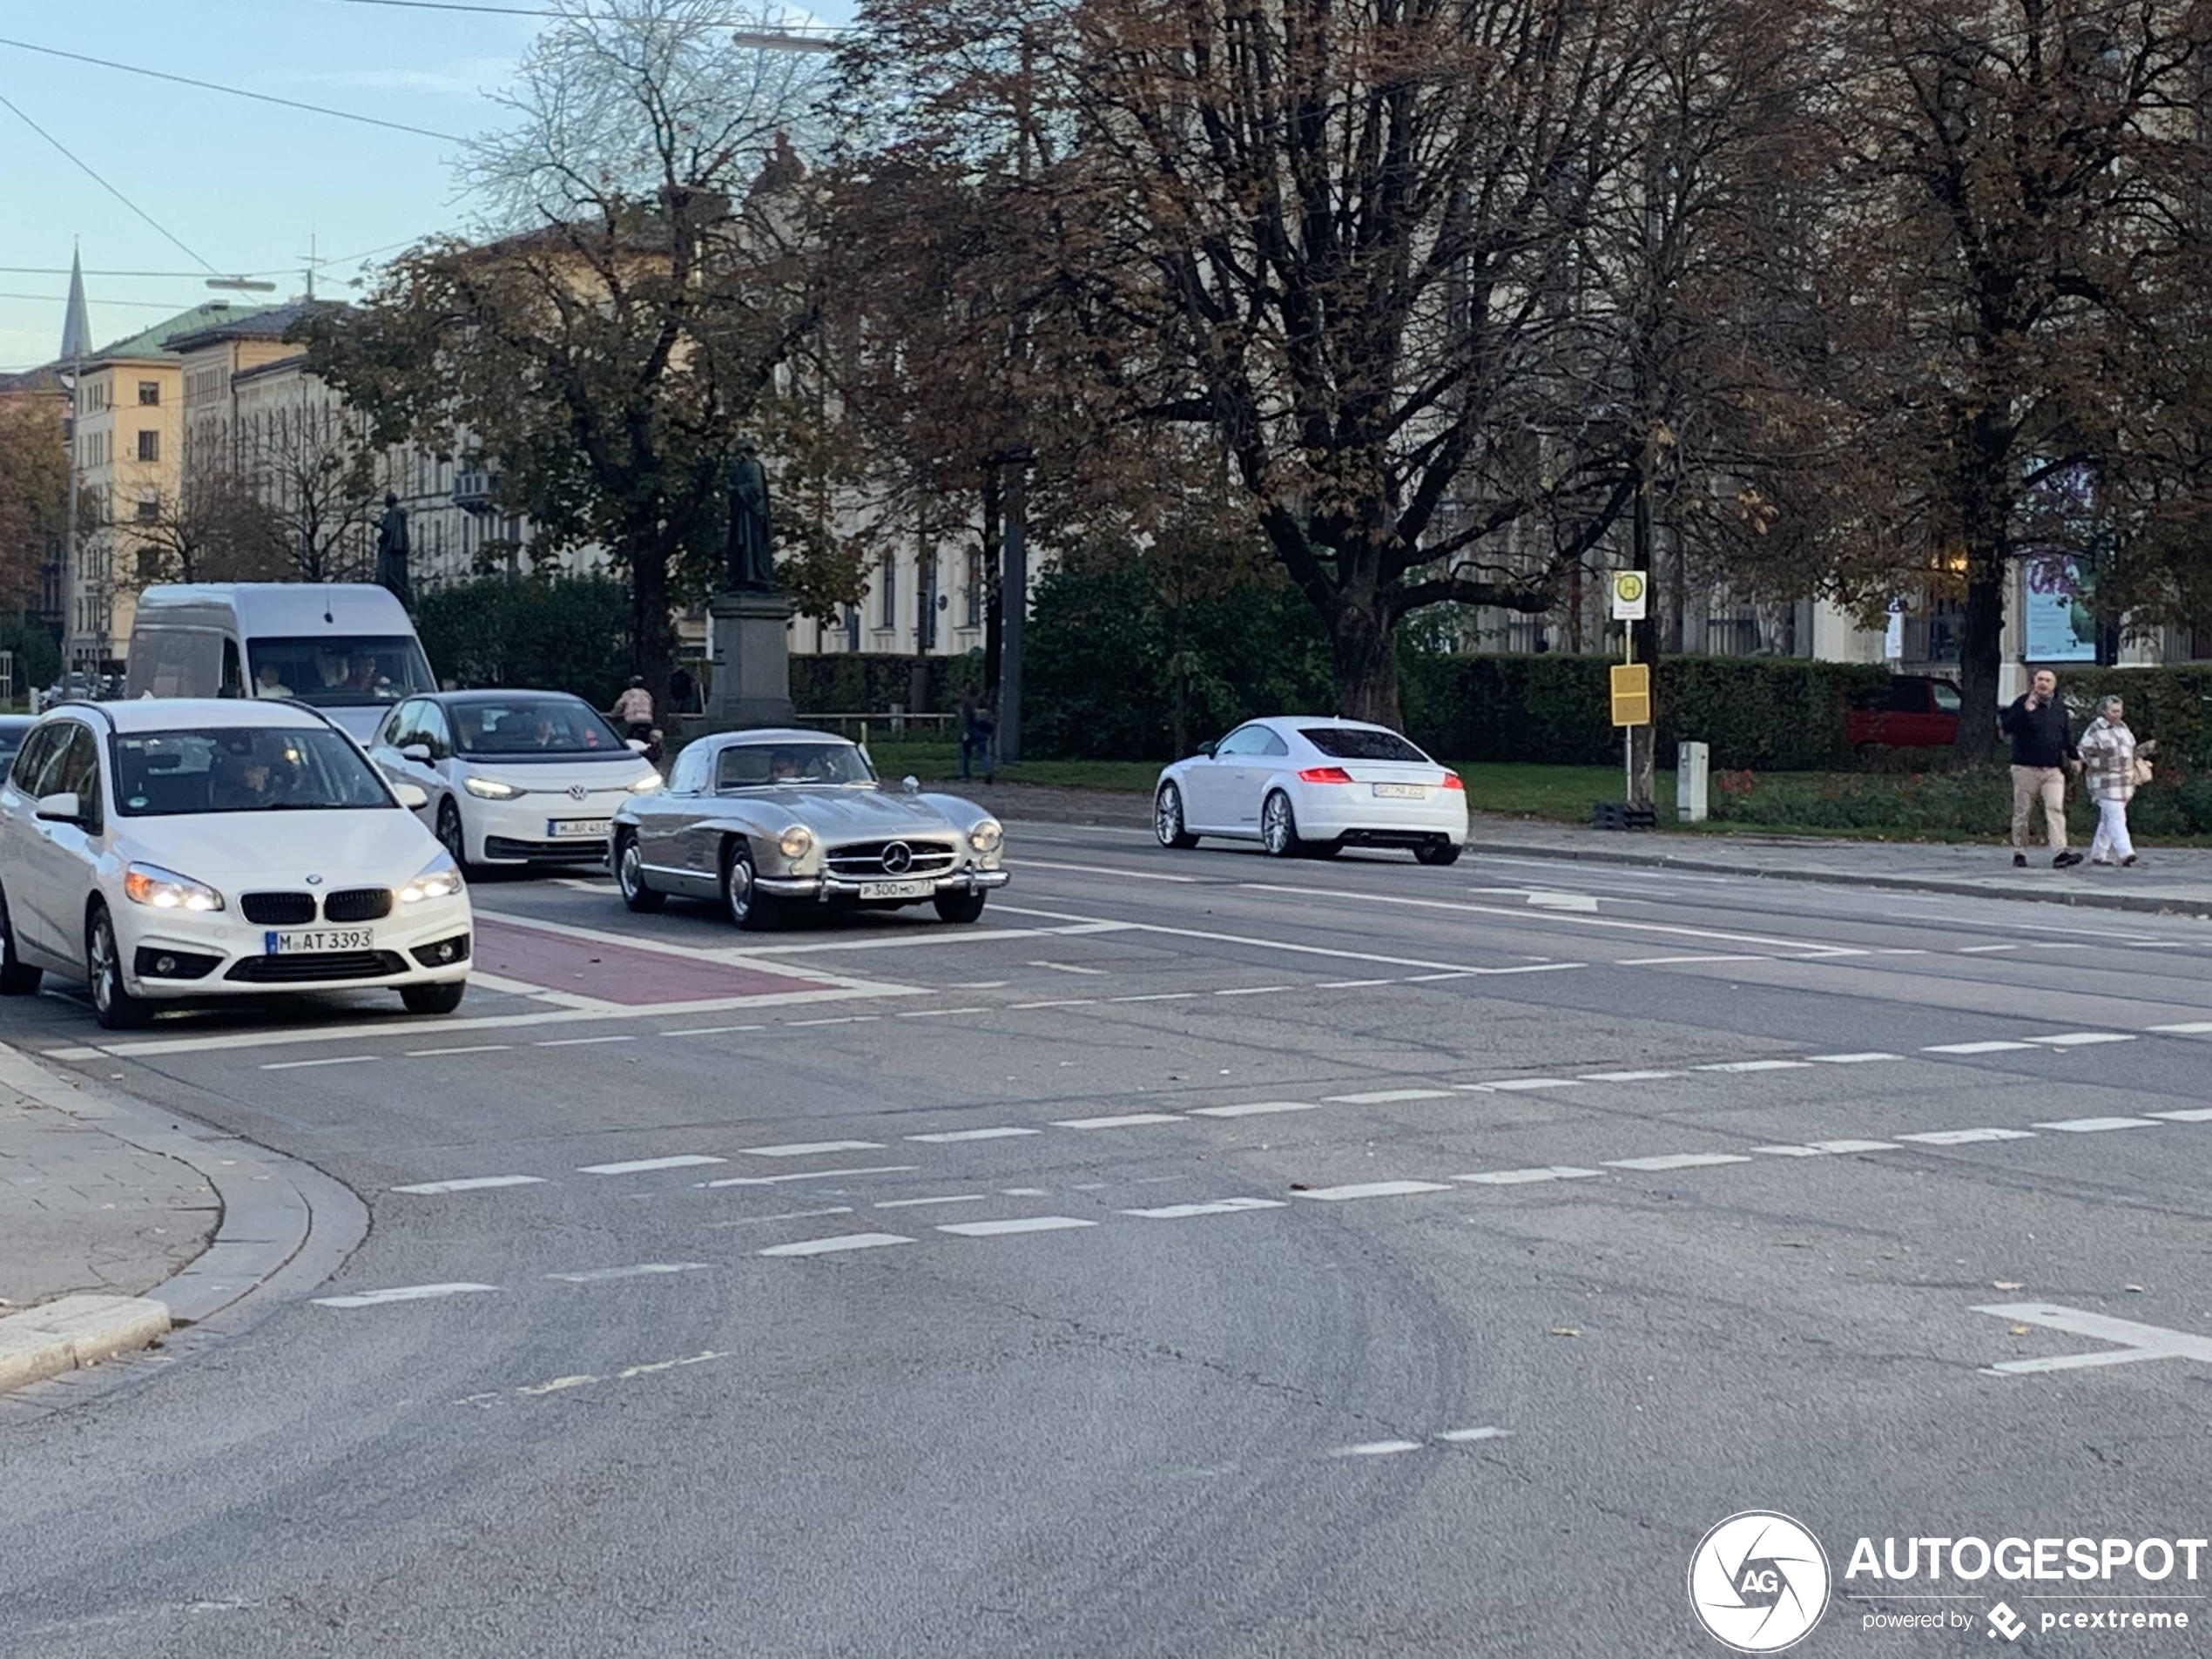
{"x": 1204, "y": 1254}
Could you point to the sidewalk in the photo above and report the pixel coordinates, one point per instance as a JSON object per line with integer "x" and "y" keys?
{"x": 2175, "y": 880}
{"x": 84, "y": 1211}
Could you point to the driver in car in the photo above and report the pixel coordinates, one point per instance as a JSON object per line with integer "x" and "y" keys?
{"x": 248, "y": 781}
{"x": 783, "y": 768}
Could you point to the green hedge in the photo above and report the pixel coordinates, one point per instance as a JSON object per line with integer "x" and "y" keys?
{"x": 2172, "y": 705}
{"x": 1782, "y": 713}
{"x": 868, "y": 683}
{"x": 1975, "y": 802}
{"x": 570, "y": 634}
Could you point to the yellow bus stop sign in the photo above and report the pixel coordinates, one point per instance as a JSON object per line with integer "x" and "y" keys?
{"x": 1632, "y": 694}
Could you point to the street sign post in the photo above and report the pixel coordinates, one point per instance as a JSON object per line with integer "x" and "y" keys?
{"x": 1632, "y": 694}
{"x": 1631, "y": 596}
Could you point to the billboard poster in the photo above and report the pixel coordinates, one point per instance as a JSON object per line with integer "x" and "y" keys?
{"x": 2059, "y": 624}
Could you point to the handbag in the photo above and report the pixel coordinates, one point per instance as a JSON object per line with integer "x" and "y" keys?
{"x": 2141, "y": 771}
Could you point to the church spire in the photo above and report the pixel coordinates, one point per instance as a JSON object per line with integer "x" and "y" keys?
{"x": 76, "y": 329}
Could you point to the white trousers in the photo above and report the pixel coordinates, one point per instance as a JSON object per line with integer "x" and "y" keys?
{"x": 2111, "y": 840}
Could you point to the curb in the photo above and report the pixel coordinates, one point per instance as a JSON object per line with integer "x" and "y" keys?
{"x": 284, "y": 1225}
{"x": 2144, "y": 904}
{"x": 75, "y": 1331}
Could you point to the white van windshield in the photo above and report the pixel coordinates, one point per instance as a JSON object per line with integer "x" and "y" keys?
{"x": 333, "y": 671}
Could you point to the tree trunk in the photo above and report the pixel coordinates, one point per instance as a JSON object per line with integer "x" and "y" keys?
{"x": 1980, "y": 655}
{"x": 650, "y": 644}
{"x": 1365, "y": 641}
{"x": 992, "y": 617}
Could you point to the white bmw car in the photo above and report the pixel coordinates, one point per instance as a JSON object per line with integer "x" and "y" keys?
{"x": 177, "y": 848}
{"x": 513, "y": 778}
{"x": 1313, "y": 785}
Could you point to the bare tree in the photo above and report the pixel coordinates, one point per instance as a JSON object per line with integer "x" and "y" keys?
{"x": 219, "y": 528}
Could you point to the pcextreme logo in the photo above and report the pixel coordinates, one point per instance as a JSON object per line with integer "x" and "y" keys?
{"x": 1758, "y": 1582}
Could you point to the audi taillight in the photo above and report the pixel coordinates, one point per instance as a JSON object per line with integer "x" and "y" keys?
{"x": 1325, "y": 775}
{"x": 1451, "y": 781}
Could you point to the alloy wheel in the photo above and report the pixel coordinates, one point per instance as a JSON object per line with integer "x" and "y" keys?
{"x": 1277, "y": 831}
{"x": 1167, "y": 816}
{"x": 451, "y": 836}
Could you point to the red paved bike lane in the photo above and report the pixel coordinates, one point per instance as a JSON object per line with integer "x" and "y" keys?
{"x": 622, "y": 974}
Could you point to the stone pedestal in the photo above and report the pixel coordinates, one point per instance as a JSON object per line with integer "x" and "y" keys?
{"x": 751, "y": 657}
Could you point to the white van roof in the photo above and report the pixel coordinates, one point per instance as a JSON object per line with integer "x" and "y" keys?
{"x": 275, "y": 610}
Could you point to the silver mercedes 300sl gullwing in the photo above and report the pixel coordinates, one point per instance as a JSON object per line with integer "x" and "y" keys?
{"x": 765, "y": 821}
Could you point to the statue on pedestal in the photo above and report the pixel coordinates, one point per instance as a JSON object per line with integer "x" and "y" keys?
{"x": 392, "y": 548}
{"x": 751, "y": 565}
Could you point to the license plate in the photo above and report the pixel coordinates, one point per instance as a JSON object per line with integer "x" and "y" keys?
{"x": 897, "y": 889}
{"x": 318, "y": 939}
{"x": 1402, "y": 791}
{"x": 576, "y": 829}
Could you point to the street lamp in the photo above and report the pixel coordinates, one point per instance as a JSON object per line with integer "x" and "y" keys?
{"x": 248, "y": 284}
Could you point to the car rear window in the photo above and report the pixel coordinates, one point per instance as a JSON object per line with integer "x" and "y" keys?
{"x": 1357, "y": 743}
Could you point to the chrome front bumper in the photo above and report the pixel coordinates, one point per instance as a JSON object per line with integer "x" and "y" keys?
{"x": 827, "y": 887}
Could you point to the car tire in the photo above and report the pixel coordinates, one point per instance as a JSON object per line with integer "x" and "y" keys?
{"x": 748, "y": 906}
{"x": 1279, "y": 826}
{"x": 452, "y": 835}
{"x": 630, "y": 876}
{"x": 1438, "y": 852}
{"x": 118, "y": 1009}
{"x": 1167, "y": 818}
{"x": 959, "y": 906}
{"x": 442, "y": 998}
{"x": 16, "y": 979}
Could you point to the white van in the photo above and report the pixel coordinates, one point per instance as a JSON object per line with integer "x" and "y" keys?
{"x": 347, "y": 647}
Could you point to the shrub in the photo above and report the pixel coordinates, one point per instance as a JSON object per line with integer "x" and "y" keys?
{"x": 568, "y": 634}
{"x": 1974, "y": 801}
{"x": 2172, "y": 704}
{"x": 869, "y": 681}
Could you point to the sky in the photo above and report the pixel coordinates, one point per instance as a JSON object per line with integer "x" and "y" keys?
{"x": 248, "y": 188}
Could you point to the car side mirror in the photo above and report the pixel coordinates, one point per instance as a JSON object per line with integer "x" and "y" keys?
{"x": 414, "y": 797}
{"x": 419, "y": 752}
{"x": 1207, "y": 748}
{"x": 638, "y": 745}
{"x": 64, "y": 808}
{"x": 911, "y": 784}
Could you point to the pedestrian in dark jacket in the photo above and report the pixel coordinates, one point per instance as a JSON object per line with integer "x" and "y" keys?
{"x": 976, "y": 728}
{"x": 2043, "y": 753}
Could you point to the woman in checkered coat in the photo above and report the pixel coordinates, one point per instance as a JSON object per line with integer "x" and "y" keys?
{"x": 2109, "y": 753}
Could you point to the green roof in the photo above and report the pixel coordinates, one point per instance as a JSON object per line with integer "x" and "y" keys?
{"x": 154, "y": 342}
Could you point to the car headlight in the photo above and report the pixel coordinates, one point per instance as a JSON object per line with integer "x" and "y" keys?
{"x": 149, "y": 883}
{"x": 441, "y": 879}
{"x": 795, "y": 842}
{"x": 490, "y": 789}
{"x": 987, "y": 836}
{"x": 649, "y": 783}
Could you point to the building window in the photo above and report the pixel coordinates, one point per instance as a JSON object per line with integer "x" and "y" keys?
{"x": 149, "y": 395}
{"x": 149, "y": 446}
{"x": 888, "y": 592}
{"x": 149, "y": 509}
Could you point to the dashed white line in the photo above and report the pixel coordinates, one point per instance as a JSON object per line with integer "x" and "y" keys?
{"x": 1349, "y": 984}
{"x": 919, "y": 1204}
{"x": 939, "y": 1013}
{"x": 2194, "y": 1115}
{"x": 1976, "y": 1048}
{"x": 335, "y": 1060}
{"x": 808, "y": 1175}
{"x": 1967, "y": 1137}
{"x": 474, "y": 1048}
{"x": 1252, "y": 990}
{"x": 807, "y": 1149}
{"x": 947, "y": 1137}
{"x": 644, "y": 1270}
{"x": 841, "y": 1019}
{"x": 1156, "y": 996}
{"x": 2084, "y": 1039}
{"x": 835, "y": 1243}
{"x": 1376, "y": 1448}
{"x": 1254, "y": 1109}
{"x": 1058, "y": 1002}
{"x": 1018, "y": 1224}
{"x": 401, "y": 1293}
{"x": 578, "y": 1042}
{"x": 1626, "y": 1076}
{"x": 1826, "y": 1148}
{"x": 2097, "y": 1125}
{"x": 2187, "y": 1029}
{"x": 1666, "y": 961}
{"x": 638, "y": 1166}
{"x": 1125, "y": 1119}
{"x": 1519, "y": 1085}
{"x": 1756, "y": 1065}
{"x": 1869, "y": 1057}
{"x": 1983, "y": 950}
{"x": 1523, "y": 1177}
{"x": 712, "y": 1030}
{"x": 1064, "y": 967}
{"x": 1218, "y": 1207}
{"x": 1463, "y": 1436}
{"x": 1386, "y": 1096}
{"x": 1374, "y": 1190}
{"x": 473, "y": 1184}
{"x": 1677, "y": 1161}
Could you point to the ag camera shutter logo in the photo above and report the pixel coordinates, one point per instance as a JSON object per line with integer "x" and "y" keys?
{"x": 1758, "y": 1582}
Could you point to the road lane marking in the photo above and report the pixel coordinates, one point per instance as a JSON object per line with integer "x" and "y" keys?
{"x": 1386, "y": 1096}
{"x": 1064, "y": 967}
{"x": 2135, "y": 1341}
{"x": 1668, "y": 961}
{"x": 1464, "y": 1436}
{"x": 2194, "y": 1115}
{"x": 1826, "y": 1148}
{"x": 1156, "y": 996}
{"x": 1254, "y": 1109}
{"x": 578, "y": 1042}
{"x": 2097, "y": 1125}
{"x": 474, "y": 1048}
{"x": 1756, "y": 1065}
{"x": 1349, "y": 984}
{"x": 1983, "y": 950}
{"x": 1019, "y": 1224}
{"x": 837, "y": 1242}
{"x": 806, "y": 1175}
{"x": 1125, "y": 1119}
{"x": 2187, "y": 1029}
{"x": 1626, "y": 1076}
{"x": 918, "y": 1203}
{"x": 1523, "y": 1177}
{"x": 1562, "y": 901}
{"x": 638, "y": 1166}
{"x": 1976, "y": 1048}
{"x": 1061, "y": 1002}
{"x": 1252, "y": 990}
{"x": 1217, "y": 1207}
{"x": 840, "y": 1019}
{"x": 1677, "y": 1161}
{"x": 1374, "y": 1190}
{"x": 473, "y": 1184}
{"x": 807, "y": 1149}
{"x": 939, "y": 1013}
{"x": 335, "y": 1060}
{"x": 2084, "y": 1039}
{"x": 712, "y": 1030}
{"x": 644, "y": 1270}
{"x": 1376, "y": 1448}
{"x": 1967, "y": 1137}
{"x": 947, "y": 1137}
{"x": 401, "y": 1293}
{"x": 1867, "y": 1058}
{"x": 783, "y": 1214}
{"x": 1520, "y": 1085}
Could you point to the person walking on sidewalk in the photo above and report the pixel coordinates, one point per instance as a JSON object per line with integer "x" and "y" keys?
{"x": 634, "y": 708}
{"x": 976, "y": 729}
{"x": 2110, "y": 751}
{"x": 2042, "y": 751}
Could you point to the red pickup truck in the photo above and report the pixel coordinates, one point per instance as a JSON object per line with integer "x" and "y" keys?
{"x": 1917, "y": 711}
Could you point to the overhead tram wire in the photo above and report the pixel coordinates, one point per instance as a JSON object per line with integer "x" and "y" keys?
{"x": 747, "y": 32}
{"x": 88, "y": 170}
{"x": 236, "y": 92}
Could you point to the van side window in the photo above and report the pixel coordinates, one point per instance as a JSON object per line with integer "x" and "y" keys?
{"x": 172, "y": 662}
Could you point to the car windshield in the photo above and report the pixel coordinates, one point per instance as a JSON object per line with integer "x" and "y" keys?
{"x": 1357, "y": 743}
{"x": 768, "y": 765}
{"x": 527, "y": 725}
{"x": 242, "y": 769}
{"x": 334, "y": 672}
